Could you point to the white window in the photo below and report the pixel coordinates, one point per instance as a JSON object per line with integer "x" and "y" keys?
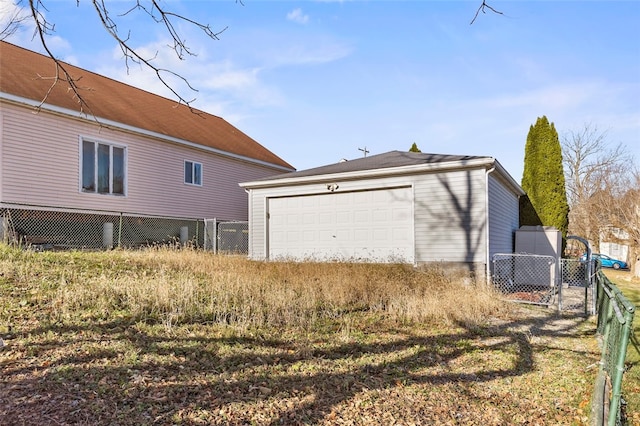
{"x": 103, "y": 168}
{"x": 192, "y": 173}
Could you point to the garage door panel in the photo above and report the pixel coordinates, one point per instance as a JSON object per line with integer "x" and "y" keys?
{"x": 325, "y": 218}
{"x": 372, "y": 225}
{"x": 309, "y": 201}
{"x": 381, "y": 196}
{"x": 360, "y": 216}
{"x": 343, "y": 234}
{"x": 361, "y": 234}
{"x": 309, "y": 219}
{"x": 380, "y": 234}
{"x": 362, "y": 197}
{"x": 343, "y": 201}
{"x": 400, "y": 215}
{"x": 325, "y": 235}
{"x": 343, "y": 218}
{"x": 401, "y": 235}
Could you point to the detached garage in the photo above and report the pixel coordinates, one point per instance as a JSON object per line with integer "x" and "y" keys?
{"x": 395, "y": 207}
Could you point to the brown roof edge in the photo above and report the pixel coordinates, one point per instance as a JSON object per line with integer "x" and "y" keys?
{"x": 27, "y": 74}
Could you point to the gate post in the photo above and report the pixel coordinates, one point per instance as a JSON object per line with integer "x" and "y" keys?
{"x": 215, "y": 235}
{"x": 589, "y": 278}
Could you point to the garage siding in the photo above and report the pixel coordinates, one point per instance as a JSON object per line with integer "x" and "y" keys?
{"x": 503, "y": 217}
{"x": 450, "y": 217}
{"x": 257, "y": 215}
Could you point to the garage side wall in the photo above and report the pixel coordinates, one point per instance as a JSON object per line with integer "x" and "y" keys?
{"x": 450, "y": 218}
{"x": 257, "y": 224}
{"x": 504, "y": 219}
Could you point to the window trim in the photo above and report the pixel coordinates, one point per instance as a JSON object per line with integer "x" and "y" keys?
{"x": 125, "y": 166}
{"x": 194, "y": 166}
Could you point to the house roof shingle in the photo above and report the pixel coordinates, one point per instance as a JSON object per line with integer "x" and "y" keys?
{"x": 24, "y": 73}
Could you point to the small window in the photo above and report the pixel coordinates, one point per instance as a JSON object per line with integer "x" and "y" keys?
{"x": 193, "y": 173}
{"x": 103, "y": 168}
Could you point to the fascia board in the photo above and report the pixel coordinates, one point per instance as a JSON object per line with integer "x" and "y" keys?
{"x": 114, "y": 124}
{"x": 509, "y": 179}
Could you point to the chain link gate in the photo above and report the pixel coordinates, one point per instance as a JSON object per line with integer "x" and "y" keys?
{"x": 541, "y": 280}
{"x": 526, "y": 278}
{"x": 577, "y": 289}
{"x": 230, "y": 237}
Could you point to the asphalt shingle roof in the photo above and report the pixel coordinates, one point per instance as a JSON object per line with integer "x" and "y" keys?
{"x": 27, "y": 74}
{"x": 380, "y": 161}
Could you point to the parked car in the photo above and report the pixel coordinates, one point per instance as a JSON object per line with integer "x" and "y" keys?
{"x": 606, "y": 261}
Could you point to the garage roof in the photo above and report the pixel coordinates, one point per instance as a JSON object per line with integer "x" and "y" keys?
{"x": 387, "y": 164}
{"x": 381, "y": 161}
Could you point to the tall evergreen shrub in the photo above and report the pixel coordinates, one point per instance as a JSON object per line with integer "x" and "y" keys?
{"x": 543, "y": 179}
{"x": 414, "y": 148}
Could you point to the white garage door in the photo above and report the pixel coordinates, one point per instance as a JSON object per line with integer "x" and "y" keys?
{"x": 374, "y": 225}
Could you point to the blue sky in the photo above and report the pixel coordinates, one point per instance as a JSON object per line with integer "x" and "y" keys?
{"x": 316, "y": 81}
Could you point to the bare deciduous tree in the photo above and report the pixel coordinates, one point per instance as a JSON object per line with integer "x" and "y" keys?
{"x": 11, "y": 18}
{"x": 602, "y": 188}
{"x": 625, "y": 215}
{"x": 32, "y": 11}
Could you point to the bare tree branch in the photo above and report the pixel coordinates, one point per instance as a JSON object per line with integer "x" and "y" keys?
{"x": 160, "y": 15}
{"x": 165, "y": 17}
{"x": 155, "y": 9}
{"x": 43, "y": 28}
{"x": 132, "y": 55}
{"x": 483, "y": 8}
{"x": 158, "y": 12}
{"x": 590, "y": 162}
{"x": 13, "y": 19}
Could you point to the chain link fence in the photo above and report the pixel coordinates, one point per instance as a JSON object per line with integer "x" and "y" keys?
{"x": 52, "y": 229}
{"x": 536, "y": 279}
{"x": 577, "y": 287}
{"x": 543, "y": 280}
{"x": 615, "y": 325}
{"x": 526, "y": 278}
{"x": 227, "y": 236}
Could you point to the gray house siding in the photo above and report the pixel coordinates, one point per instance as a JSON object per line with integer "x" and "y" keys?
{"x": 503, "y": 216}
{"x": 257, "y": 225}
{"x": 450, "y": 217}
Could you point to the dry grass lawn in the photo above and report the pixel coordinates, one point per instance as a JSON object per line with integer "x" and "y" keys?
{"x": 165, "y": 336}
